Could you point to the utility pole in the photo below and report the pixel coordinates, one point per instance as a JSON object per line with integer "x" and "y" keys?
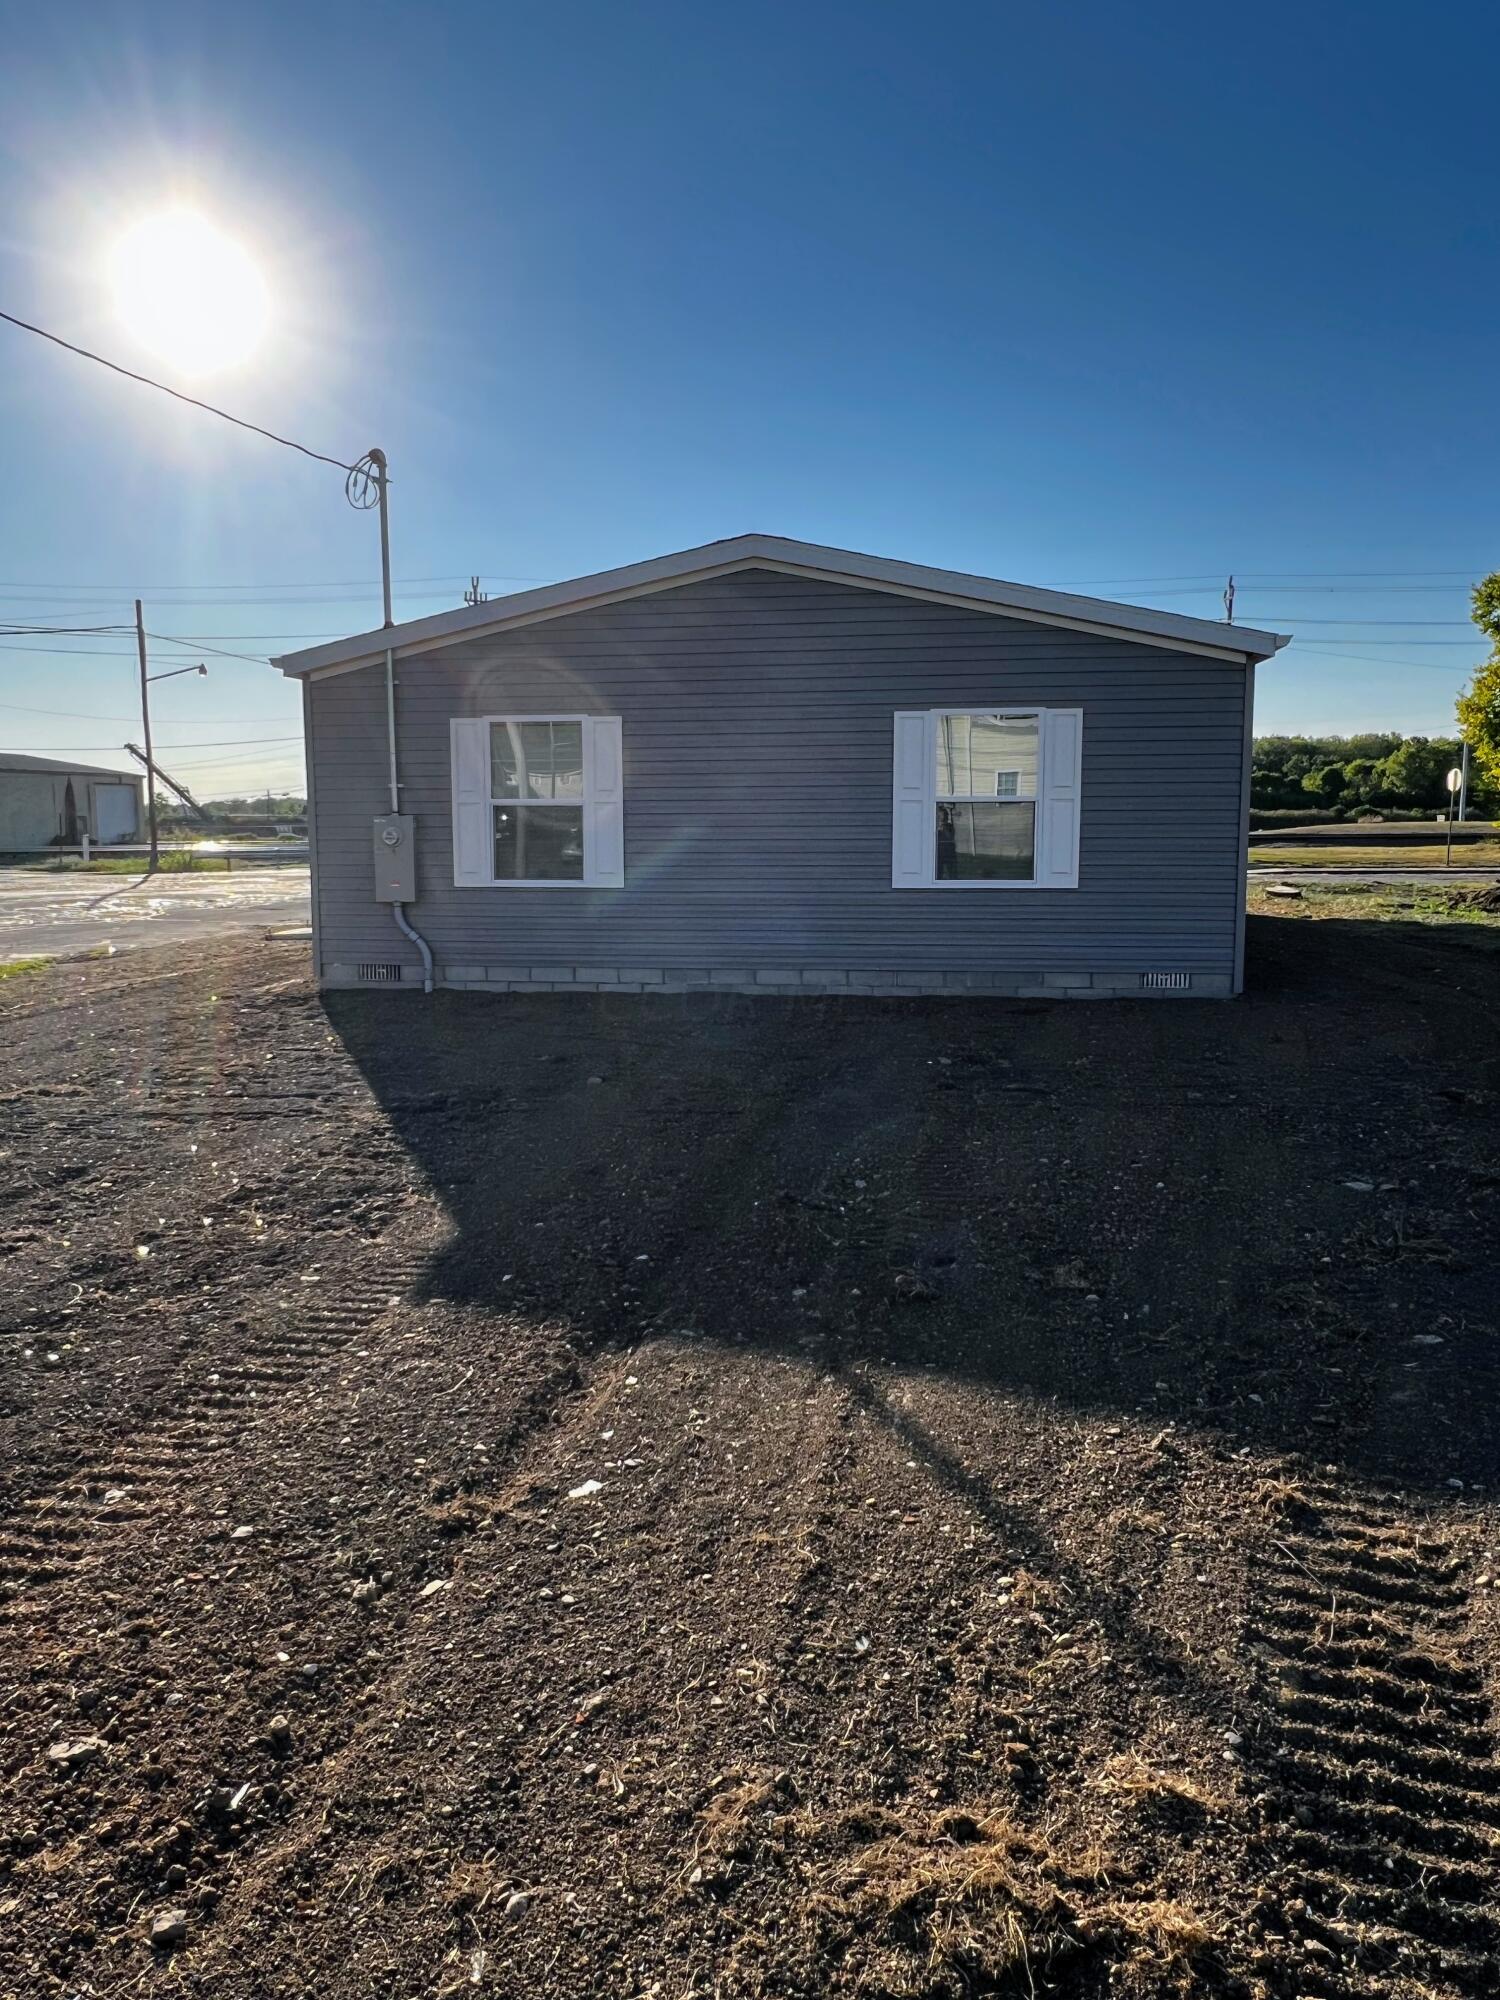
{"x": 1229, "y": 602}
{"x": 1463, "y": 783}
{"x": 150, "y": 761}
{"x": 140, "y": 647}
{"x": 474, "y": 595}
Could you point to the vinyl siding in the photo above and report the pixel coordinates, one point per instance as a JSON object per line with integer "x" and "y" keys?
{"x": 757, "y": 717}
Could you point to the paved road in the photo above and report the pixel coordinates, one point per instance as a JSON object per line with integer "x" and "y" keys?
{"x": 42, "y": 914}
{"x": 1433, "y": 877}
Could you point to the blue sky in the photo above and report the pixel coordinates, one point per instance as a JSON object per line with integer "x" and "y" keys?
{"x": 1115, "y": 297}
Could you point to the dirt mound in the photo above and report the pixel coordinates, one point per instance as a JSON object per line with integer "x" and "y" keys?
{"x": 1487, "y": 899}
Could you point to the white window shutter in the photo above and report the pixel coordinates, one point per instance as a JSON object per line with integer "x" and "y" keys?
{"x": 911, "y": 801}
{"x": 604, "y": 829}
{"x": 473, "y": 857}
{"x": 1061, "y": 794}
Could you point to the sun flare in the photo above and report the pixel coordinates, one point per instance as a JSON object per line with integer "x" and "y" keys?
{"x": 192, "y": 295}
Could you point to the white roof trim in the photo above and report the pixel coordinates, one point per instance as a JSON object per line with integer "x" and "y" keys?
{"x": 1238, "y": 644}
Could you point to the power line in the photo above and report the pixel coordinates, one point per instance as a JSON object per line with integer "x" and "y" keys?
{"x": 1370, "y": 659}
{"x": 1211, "y": 579}
{"x": 232, "y": 763}
{"x": 1426, "y": 624}
{"x": 116, "y": 652}
{"x": 203, "y": 640}
{"x": 341, "y": 632}
{"x": 84, "y": 652}
{"x": 212, "y": 409}
{"x": 1352, "y": 589}
{"x": 12, "y": 587}
{"x": 220, "y": 743}
{"x": 79, "y": 715}
{"x": 202, "y": 646}
{"x": 128, "y": 653}
{"x": 1264, "y": 575}
{"x": 59, "y": 631}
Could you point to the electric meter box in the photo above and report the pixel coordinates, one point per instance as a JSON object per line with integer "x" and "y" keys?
{"x": 395, "y": 846}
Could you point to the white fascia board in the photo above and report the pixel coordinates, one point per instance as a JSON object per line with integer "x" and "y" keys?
{"x": 808, "y": 559}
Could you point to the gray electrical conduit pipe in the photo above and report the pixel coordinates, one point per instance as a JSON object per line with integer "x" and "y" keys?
{"x": 398, "y": 910}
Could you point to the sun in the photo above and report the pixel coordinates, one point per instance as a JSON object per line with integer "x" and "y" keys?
{"x": 192, "y": 295}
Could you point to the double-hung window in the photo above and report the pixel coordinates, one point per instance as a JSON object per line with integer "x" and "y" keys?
{"x": 986, "y": 798}
{"x": 537, "y": 802}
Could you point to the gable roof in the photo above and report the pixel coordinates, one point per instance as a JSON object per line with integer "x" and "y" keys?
{"x": 1238, "y": 644}
{"x": 20, "y": 760}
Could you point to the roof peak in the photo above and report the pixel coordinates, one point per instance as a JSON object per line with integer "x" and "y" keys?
{"x": 1236, "y": 643}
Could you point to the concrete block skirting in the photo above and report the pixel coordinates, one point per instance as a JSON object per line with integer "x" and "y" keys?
{"x": 849, "y": 981}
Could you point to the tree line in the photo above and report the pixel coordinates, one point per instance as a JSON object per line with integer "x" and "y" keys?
{"x": 1344, "y": 776}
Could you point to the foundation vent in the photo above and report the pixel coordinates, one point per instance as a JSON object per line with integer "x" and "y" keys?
{"x": 380, "y": 975}
{"x": 1166, "y": 982}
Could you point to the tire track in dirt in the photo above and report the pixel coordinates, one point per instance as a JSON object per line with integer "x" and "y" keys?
{"x": 1385, "y": 1782}
{"x": 555, "y": 1434}
{"x": 272, "y": 1858}
{"x": 95, "y": 989}
{"x": 631, "y": 1411}
{"x": 54, "y": 1533}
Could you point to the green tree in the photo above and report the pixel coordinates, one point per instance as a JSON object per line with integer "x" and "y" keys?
{"x": 1326, "y": 783}
{"x": 1479, "y": 704}
{"x": 1359, "y": 781}
{"x": 1414, "y": 774}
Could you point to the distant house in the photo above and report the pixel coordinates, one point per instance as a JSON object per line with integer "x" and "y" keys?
{"x": 768, "y": 765}
{"x": 47, "y": 802}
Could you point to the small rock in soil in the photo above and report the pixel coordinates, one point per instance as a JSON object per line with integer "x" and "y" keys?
{"x": 73, "y": 1756}
{"x": 907, "y": 1285}
{"x": 517, "y": 1904}
{"x": 169, "y": 1929}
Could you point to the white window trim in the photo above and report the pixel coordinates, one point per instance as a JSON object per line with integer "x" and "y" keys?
{"x": 1056, "y": 801}
{"x": 601, "y": 802}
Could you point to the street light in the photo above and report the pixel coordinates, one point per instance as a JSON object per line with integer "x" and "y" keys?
{"x": 146, "y": 680}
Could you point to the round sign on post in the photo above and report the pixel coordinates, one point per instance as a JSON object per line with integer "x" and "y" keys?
{"x": 1455, "y": 779}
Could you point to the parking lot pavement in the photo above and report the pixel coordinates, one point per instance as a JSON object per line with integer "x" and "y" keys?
{"x": 43, "y": 914}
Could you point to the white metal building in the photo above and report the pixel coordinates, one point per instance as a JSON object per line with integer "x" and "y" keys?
{"x": 48, "y": 802}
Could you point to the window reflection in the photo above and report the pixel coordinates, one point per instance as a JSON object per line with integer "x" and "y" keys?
{"x": 986, "y": 843}
{"x": 987, "y": 756}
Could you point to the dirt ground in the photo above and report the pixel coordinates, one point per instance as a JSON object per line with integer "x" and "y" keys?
{"x": 560, "y": 1496}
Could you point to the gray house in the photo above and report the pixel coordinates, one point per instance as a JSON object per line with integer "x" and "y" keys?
{"x": 48, "y": 802}
{"x": 769, "y": 765}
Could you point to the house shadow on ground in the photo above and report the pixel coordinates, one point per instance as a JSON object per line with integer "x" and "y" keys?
{"x": 1271, "y": 1220}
